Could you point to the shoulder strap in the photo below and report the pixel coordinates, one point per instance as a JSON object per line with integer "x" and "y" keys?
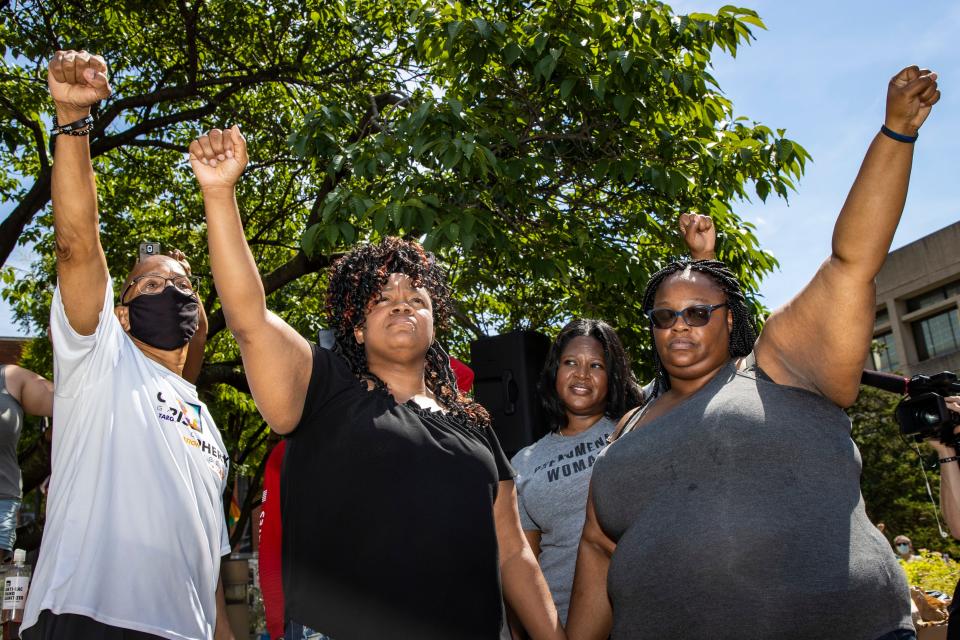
{"x": 750, "y": 366}
{"x": 632, "y": 420}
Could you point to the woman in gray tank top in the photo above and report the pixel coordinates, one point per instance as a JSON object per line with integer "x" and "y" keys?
{"x": 586, "y": 386}
{"x": 701, "y": 520}
{"x": 21, "y": 390}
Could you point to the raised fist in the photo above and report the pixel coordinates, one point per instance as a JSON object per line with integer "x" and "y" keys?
{"x": 700, "y": 235}
{"x": 910, "y": 96}
{"x": 219, "y": 158}
{"x": 77, "y": 80}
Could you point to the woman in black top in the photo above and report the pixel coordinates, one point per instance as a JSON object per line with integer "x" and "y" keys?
{"x": 399, "y": 509}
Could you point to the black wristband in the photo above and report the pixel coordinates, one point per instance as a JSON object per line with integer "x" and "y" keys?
{"x": 81, "y": 127}
{"x": 949, "y": 459}
{"x": 899, "y": 137}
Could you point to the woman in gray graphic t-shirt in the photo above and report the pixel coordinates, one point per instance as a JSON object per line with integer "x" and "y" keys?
{"x": 586, "y": 385}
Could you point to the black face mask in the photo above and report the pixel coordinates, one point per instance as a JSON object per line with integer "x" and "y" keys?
{"x": 166, "y": 320}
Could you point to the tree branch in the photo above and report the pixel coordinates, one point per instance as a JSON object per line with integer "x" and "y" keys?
{"x": 466, "y": 321}
{"x": 157, "y": 144}
{"x": 22, "y": 214}
{"x": 34, "y": 128}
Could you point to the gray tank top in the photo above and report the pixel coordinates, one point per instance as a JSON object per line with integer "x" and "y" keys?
{"x": 11, "y": 423}
{"x": 738, "y": 514}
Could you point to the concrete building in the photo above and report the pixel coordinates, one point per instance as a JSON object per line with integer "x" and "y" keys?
{"x": 11, "y": 349}
{"x": 917, "y": 328}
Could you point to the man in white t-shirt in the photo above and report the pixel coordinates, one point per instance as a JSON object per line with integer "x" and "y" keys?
{"x": 135, "y": 526}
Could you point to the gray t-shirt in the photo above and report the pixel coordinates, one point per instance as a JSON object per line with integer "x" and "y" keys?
{"x": 11, "y": 424}
{"x": 553, "y": 477}
{"x": 738, "y": 514}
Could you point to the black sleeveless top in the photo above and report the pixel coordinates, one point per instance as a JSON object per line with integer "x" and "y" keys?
{"x": 387, "y": 510}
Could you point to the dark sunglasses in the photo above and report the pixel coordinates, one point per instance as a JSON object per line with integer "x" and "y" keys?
{"x": 695, "y": 316}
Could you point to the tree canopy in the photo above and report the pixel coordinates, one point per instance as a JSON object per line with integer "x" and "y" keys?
{"x": 543, "y": 149}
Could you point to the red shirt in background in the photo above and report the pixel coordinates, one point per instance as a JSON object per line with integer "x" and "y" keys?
{"x": 271, "y": 579}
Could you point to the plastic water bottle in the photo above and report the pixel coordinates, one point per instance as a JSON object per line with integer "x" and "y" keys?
{"x": 16, "y": 584}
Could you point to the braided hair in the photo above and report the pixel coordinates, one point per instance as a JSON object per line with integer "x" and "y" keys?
{"x": 623, "y": 392}
{"x": 744, "y": 332}
{"x": 357, "y": 278}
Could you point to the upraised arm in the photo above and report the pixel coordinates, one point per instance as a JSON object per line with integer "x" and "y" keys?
{"x": 820, "y": 339}
{"x": 949, "y": 477}
{"x": 700, "y": 235}
{"x": 277, "y": 360}
{"x": 195, "y": 349}
{"x": 77, "y": 80}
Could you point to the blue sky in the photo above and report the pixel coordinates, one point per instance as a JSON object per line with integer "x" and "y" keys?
{"x": 820, "y": 71}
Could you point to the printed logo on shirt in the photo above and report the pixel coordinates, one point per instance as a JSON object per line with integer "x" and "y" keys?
{"x": 215, "y": 459}
{"x": 185, "y": 413}
{"x": 577, "y": 460}
{"x": 189, "y": 415}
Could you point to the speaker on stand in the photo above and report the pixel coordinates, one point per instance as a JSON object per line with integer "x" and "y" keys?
{"x": 506, "y": 369}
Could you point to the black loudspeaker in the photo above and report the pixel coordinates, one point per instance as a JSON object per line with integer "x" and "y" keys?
{"x": 506, "y": 369}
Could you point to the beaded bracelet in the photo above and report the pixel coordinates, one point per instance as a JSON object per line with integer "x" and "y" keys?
{"x": 81, "y": 127}
{"x": 950, "y": 459}
{"x": 899, "y": 137}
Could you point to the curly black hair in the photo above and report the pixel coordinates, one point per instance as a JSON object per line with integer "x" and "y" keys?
{"x": 744, "y": 333}
{"x": 357, "y": 278}
{"x": 623, "y": 392}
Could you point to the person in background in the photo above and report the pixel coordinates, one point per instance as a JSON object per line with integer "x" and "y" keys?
{"x": 21, "y": 391}
{"x": 949, "y": 506}
{"x": 135, "y": 525}
{"x": 701, "y": 519}
{"x": 904, "y": 548}
{"x": 585, "y": 387}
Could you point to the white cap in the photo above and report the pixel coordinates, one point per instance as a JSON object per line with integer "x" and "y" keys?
{"x": 19, "y": 556}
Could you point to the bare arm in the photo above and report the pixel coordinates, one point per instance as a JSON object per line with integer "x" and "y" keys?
{"x": 271, "y": 349}
{"x": 820, "y": 339}
{"x": 949, "y": 478}
{"x": 533, "y": 539}
{"x": 591, "y": 616}
{"x": 222, "y": 630}
{"x": 194, "y": 360}
{"x": 77, "y": 81}
{"x": 32, "y": 391}
{"x": 523, "y": 585}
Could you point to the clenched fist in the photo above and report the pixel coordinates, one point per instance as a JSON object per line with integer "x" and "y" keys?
{"x": 77, "y": 80}
{"x": 219, "y": 158}
{"x": 700, "y": 235}
{"x": 910, "y": 96}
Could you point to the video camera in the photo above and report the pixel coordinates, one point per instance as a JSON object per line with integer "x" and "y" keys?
{"x": 923, "y": 413}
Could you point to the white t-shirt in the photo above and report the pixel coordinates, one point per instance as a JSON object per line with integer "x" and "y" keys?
{"x": 135, "y": 526}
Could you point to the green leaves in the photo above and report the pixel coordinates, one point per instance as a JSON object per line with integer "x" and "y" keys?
{"x": 543, "y": 150}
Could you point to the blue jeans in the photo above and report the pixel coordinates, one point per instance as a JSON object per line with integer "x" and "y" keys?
{"x": 296, "y": 631}
{"x": 899, "y": 634}
{"x": 9, "y": 509}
